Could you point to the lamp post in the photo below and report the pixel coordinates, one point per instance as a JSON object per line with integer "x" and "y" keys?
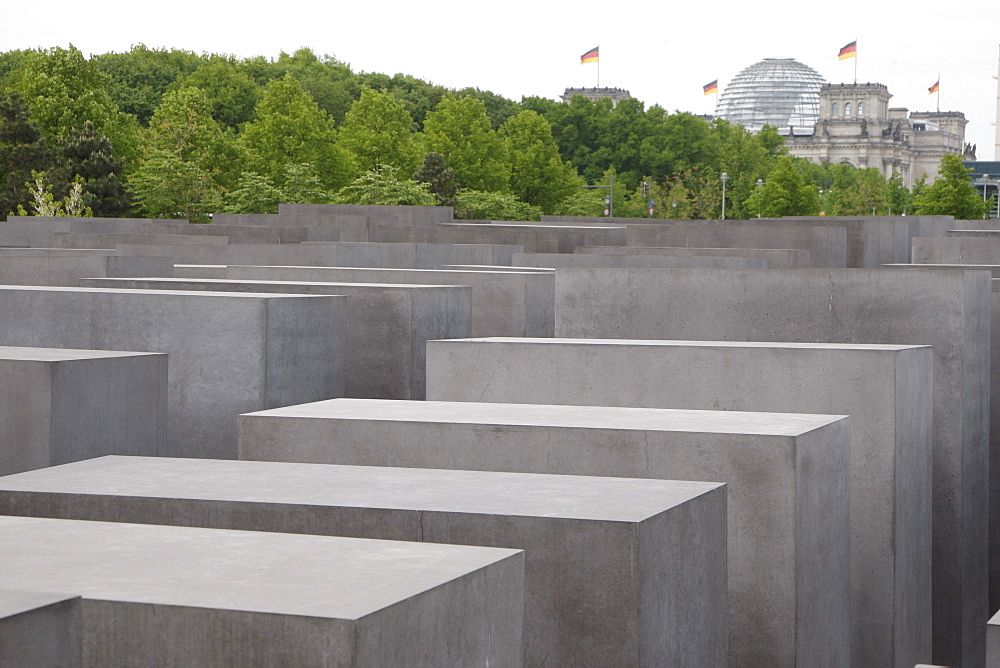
{"x": 760, "y": 184}
{"x": 986, "y": 185}
{"x": 724, "y": 177}
{"x": 610, "y": 199}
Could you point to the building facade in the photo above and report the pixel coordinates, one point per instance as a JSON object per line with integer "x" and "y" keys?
{"x": 616, "y": 95}
{"x": 856, "y": 125}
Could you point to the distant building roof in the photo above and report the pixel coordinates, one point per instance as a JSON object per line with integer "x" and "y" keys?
{"x": 776, "y": 91}
{"x": 616, "y": 95}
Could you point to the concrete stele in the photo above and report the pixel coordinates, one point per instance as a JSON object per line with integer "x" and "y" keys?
{"x": 40, "y": 629}
{"x": 787, "y": 478}
{"x": 617, "y": 571}
{"x": 949, "y": 310}
{"x": 885, "y": 389}
{"x": 183, "y": 596}
{"x": 62, "y": 405}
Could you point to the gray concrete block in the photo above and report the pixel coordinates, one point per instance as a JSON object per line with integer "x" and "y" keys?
{"x": 229, "y": 353}
{"x": 181, "y": 596}
{"x": 947, "y": 309}
{"x": 617, "y": 571}
{"x": 386, "y": 325}
{"x": 994, "y": 269}
{"x": 40, "y": 629}
{"x": 776, "y": 258}
{"x": 868, "y": 241}
{"x": 581, "y": 261}
{"x": 517, "y": 303}
{"x": 59, "y": 405}
{"x": 112, "y": 239}
{"x": 956, "y": 250}
{"x": 533, "y": 238}
{"x": 885, "y": 389}
{"x": 827, "y": 246}
{"x": 787, "y": 478}
{"x": 487, "y": 267}
{"x": 56, "y": 266}
{"x": 330, "y": 254}
{"x": 994, "y": 413}
{"x": 993, "y": 641}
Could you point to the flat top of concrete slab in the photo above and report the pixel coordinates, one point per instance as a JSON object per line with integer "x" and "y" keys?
{"x": 496, "y": 267}
{"x": 13, "y": 602}
{"x": 968, "y": 267}
{"x": 200, "y": 293}
{"x": 485, "y": 270}
{"x": 579, "y": 417}
{"x": 26, "y": 354}
{"x": 434, "y": 490}
{"x": 698, "y": 344}
{"x": 537, "y": 226}
{"x": 313, "y": 576}
{"x": 57, "y": 251}
{"x": 254, "y": 281}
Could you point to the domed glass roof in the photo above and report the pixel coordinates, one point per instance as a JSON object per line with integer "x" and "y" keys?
{"x": 776, "y": 91}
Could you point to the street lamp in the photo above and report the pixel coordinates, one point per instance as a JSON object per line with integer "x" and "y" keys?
{"x": 760, "y": 184}
{"x": 724, "y": 177}
{"x": 986, "y": 184}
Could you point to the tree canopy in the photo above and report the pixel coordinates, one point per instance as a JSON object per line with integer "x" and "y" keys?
{"x": 176, "y": 132}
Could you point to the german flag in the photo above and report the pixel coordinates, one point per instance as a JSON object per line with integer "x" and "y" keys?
{"x": 933, "y": 89}
{"x": 712, "y": 87}
{"x": 849, "y": 51}
{"x": 590, "y": 56}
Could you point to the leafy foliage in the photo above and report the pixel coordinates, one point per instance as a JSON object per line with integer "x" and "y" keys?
{"x": 290, "y": 128}
{"x": 377, "y": 132}
{"x": 538, "y": 174}
{"x": 479, "y": 205}
{"x": 65, "y": 90}
{"x": 438, "y": 177}
{"x": 23, "y": 151}
{"x": 785, "y": 193}
{"x": 384, "y": 186}
{"x": 952, "y": 194}
{"x": 460, "y": 131}
{"x": 166, "y": 186}
{"x": 88, "y": 164}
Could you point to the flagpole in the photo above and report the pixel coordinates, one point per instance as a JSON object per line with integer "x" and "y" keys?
{"x": 855, "y": 61}
{"x": 939, "y": 93}
{"x": 598, "y": 69}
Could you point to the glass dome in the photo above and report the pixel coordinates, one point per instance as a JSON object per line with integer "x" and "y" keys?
{"x": 776, "y": 91}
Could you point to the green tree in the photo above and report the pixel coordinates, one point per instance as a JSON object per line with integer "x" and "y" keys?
{"x": 329, "y": 82}
{"x": 64, "y": 91}
{"x": 254, "y": 193}
{"x": 745, "y": 157}
{"x": 384, "y": 186}
{"x": 479, "y": 205}
{"x": 538, "y": 174}
{"x": 232, "y": 94}
{"x": 138, "y": 78}
{"x": 952, "y": 194}
{"x": 23, "y": 151}
{"x": 290, "y": 128}
{"x": 438, "y": 177}
{"x": 460, "y": 131}
{"x": 44, "y": 203}
{"x": 377, "y": 132}
{"x": 587, "y": 202}
{"x": 166, "y": 186}
{"x": 498, "y": 108}
{"x": 785, "y": 192}
{"x": 88, "y": 164}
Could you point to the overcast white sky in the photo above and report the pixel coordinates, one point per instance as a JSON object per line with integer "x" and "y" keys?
{"x": 662, "y": 52}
